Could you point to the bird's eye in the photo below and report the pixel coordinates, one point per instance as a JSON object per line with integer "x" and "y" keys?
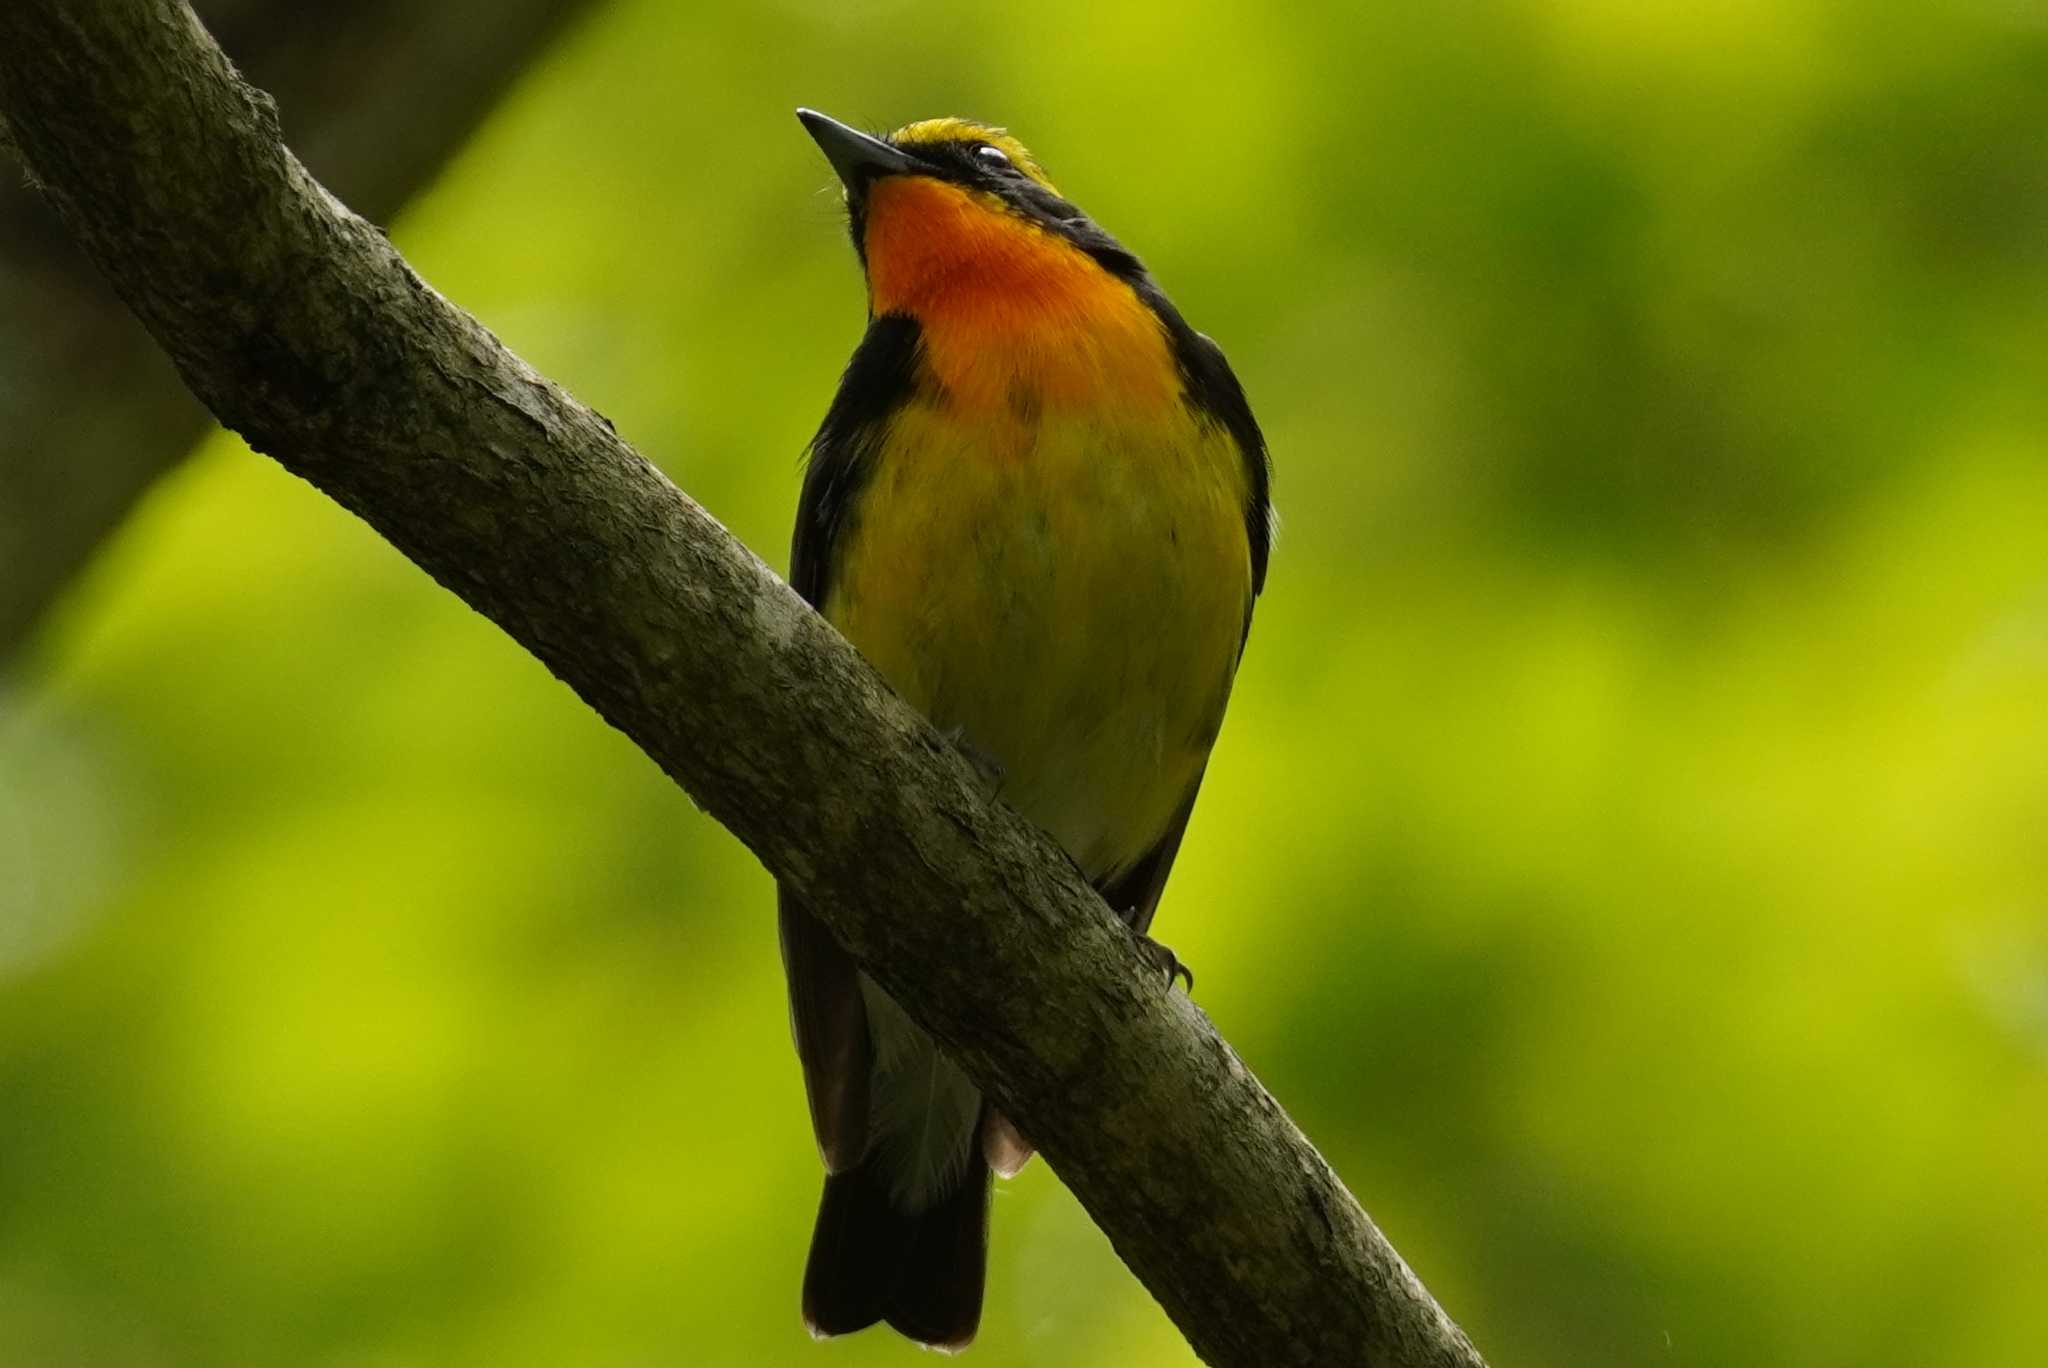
{"x": 992, "y": 157}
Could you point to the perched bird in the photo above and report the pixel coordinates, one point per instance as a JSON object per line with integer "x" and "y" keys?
{"x": 1038, "y": 505}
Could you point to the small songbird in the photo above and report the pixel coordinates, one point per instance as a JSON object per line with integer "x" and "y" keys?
{"x": 1038, "y": 505}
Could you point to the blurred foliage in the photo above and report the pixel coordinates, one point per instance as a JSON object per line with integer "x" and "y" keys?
{"x": 1627, "y": 855}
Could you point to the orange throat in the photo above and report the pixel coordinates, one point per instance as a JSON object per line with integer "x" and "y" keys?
{"x": 1010, "y": 312}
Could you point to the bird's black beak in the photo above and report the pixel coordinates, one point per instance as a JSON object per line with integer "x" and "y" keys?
{"x": 857, "y": 157}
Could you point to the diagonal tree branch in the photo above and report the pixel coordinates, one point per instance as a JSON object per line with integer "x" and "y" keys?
{"x": 301, "y": 327}
{"x": 379, "y": 93}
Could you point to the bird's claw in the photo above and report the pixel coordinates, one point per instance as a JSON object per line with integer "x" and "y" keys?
{"x": 984, "y": 764}
{"x": 1166, "y": 963}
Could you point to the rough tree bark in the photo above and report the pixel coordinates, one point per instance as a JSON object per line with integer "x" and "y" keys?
{"x": 378, "y": 94}
{"x": 301, "y": 327}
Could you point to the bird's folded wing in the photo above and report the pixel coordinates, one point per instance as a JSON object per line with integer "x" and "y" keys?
{"x": 829, "y": 1021}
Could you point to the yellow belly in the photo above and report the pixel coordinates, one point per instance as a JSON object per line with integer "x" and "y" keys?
{"x": 1068, "y": 587}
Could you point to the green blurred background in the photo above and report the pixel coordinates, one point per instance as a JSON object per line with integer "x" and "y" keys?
{"x": 1627, "y": 856}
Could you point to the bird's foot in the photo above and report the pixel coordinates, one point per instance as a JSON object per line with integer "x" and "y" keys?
{"x": 984, "y": 764}
{"x": 1166, "y": 963}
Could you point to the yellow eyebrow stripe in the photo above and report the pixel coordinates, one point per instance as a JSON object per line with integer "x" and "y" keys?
{"x": 928, "y": 131}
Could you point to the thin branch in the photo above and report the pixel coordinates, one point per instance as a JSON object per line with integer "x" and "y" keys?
{"x": 301, "y": 327}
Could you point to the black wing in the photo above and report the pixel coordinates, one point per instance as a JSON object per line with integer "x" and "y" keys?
{"x": 1134, "y": 894}
{"x": 1213, "y": 391}
{"x": 881, "y": 375}
{"x": 826, "y": 1014}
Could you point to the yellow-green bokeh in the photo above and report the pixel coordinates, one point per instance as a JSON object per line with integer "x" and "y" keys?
{"x": 1627, "y": 855}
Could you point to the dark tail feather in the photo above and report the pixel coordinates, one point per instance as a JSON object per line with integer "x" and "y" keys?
{"x": 857, "y": 1247}
{"x": 938, "y": 1300}
{"x": 922, "y": 1273}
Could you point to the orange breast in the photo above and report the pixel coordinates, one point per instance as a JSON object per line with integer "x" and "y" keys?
{"x": 1011, "y": 313}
